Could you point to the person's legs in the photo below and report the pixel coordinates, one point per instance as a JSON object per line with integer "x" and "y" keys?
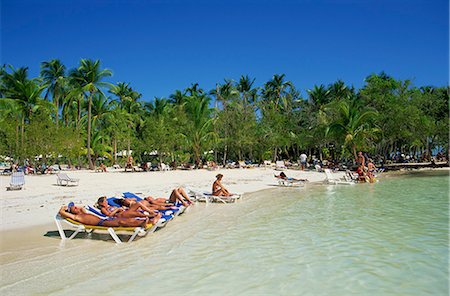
{"x": 131, "y": 214}
{"x": 182, "y": 192}
{"x": 174, "y": 196}
{"x": 126, "y": 222}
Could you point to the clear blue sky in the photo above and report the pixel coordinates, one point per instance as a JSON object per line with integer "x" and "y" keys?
{"x": 161, "y": 46}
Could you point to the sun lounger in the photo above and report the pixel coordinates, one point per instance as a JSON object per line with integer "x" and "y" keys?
{"x": 330, "y": 179}
{"x": 207, "y": 197}
{"x": 79, "y": 227}
{"x": 290, "y": 182}
{"x": 166, "y": 217}
{"x": 17, "y": 181}
{"x": 64, "y": 180}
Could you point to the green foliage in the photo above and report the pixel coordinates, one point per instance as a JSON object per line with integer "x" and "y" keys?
{"x": 68, "y": 114}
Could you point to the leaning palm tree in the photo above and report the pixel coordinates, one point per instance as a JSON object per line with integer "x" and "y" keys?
{"x": 53, "y": 73}
{"x": 89, "y": 77}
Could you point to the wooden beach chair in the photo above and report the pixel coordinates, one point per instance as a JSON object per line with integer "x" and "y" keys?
{"x": 64, "y": 180}
{"x": 79, "y": 227}
{"x": 17, "y": 181}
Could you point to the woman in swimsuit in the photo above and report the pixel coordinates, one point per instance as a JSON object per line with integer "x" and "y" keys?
{"x": 283, "y": 176}
{"x": 135, "y": 210}
{"x": 218, "y": 189}
{"x": 80, "y": 215}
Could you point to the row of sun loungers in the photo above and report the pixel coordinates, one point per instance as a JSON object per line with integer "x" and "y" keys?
{"x": 167, "y": 215}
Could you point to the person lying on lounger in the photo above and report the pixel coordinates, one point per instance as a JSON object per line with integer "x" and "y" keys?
{"x": 80, "y": 215}
{"x": 134, "y": 210}
{"x": 283, "y": 176}
{"x": 218, "y": 189}
{"x": 178, "y": 194}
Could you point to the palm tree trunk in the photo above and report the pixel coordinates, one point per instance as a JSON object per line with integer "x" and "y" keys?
{"x": 22, "y": 131}
{"x": 225, "y": 155}
{"x": 115, "y": 150}
{"x": 17, "y": 134}
{"x": 57, "y": 110}
{"x": 91, "y": 165}
{"x": 79, "y": 113}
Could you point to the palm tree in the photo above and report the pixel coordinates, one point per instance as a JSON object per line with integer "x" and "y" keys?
{"x": 53, "y": 73}
{"x": 24, "y": 98}
{"x": 276, "y": 90}
{"x": 178, "y": 97}
{"x": 319, "y": 96}
{"x": 352, "y": 123}
{"x": 199, "y": 132}
{"x": 128, "y": 101}
{"x": 89, "y": 77}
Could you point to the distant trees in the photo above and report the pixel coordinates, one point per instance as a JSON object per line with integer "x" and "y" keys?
{"x": 79, "y": 116}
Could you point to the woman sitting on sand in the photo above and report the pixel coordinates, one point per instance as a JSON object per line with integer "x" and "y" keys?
{"x": 218, "y": 189}
{"x": 283, "y": 176}
{"x": 134, "y": 210}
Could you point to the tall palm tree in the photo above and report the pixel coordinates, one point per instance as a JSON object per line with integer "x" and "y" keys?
{"x": 244, "y": 86}
{"x": 128, "y": 101}
{"x": 276, "y": 90}
{"x": 199, "y": 132}
{"x": 89, "y": 77}
{"x": 53, "y": 73}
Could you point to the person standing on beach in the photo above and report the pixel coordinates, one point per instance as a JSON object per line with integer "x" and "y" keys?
{"x": 361, "y": 160}
{"x": 218, "y": 189}
{"x": 303, "y": 158}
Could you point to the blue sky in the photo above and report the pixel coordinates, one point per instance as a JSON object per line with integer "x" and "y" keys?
{"x": 161, "y": 46}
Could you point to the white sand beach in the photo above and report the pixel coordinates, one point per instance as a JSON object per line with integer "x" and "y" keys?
{"x": 40, "y": 199}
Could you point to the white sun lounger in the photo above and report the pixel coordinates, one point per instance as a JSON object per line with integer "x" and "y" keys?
{"x": 290, "y": 183}
{"x": 330, "y": 179}
{"x": 17, "y": 181}
{"x": 79, "y": 227}
{"x": 207, "y": 197}
{"x": 63, "y": 180}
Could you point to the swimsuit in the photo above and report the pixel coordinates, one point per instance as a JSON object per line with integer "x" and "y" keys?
{"x": 100, "y": 223}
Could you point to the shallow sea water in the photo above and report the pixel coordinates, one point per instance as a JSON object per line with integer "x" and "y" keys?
{"x": 388, "y": 238}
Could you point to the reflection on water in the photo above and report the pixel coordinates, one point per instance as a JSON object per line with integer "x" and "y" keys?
{"x": 385, "y": 238}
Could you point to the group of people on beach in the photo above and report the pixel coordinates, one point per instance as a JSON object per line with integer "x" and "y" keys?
{"x": 365, "y": 173}
{"x": 132, "y": 212}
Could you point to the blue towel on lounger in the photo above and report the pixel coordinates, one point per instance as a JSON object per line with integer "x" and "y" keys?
{"x": 131, "y": 195}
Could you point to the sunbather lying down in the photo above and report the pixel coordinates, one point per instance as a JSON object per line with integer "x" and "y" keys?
{"x": 80, "y": 215}
{"x": 130, "y": 209}
{"x": 283, "y": 176}
{"x": 150, "y": 203}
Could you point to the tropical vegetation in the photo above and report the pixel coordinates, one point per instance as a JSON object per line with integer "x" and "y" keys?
{"x": 77, "y": 117}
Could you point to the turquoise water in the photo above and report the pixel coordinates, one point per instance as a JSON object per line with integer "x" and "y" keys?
{"x": 388, "y": 238}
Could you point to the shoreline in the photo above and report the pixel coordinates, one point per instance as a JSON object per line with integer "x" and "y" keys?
{"x": 39, "y": 201}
